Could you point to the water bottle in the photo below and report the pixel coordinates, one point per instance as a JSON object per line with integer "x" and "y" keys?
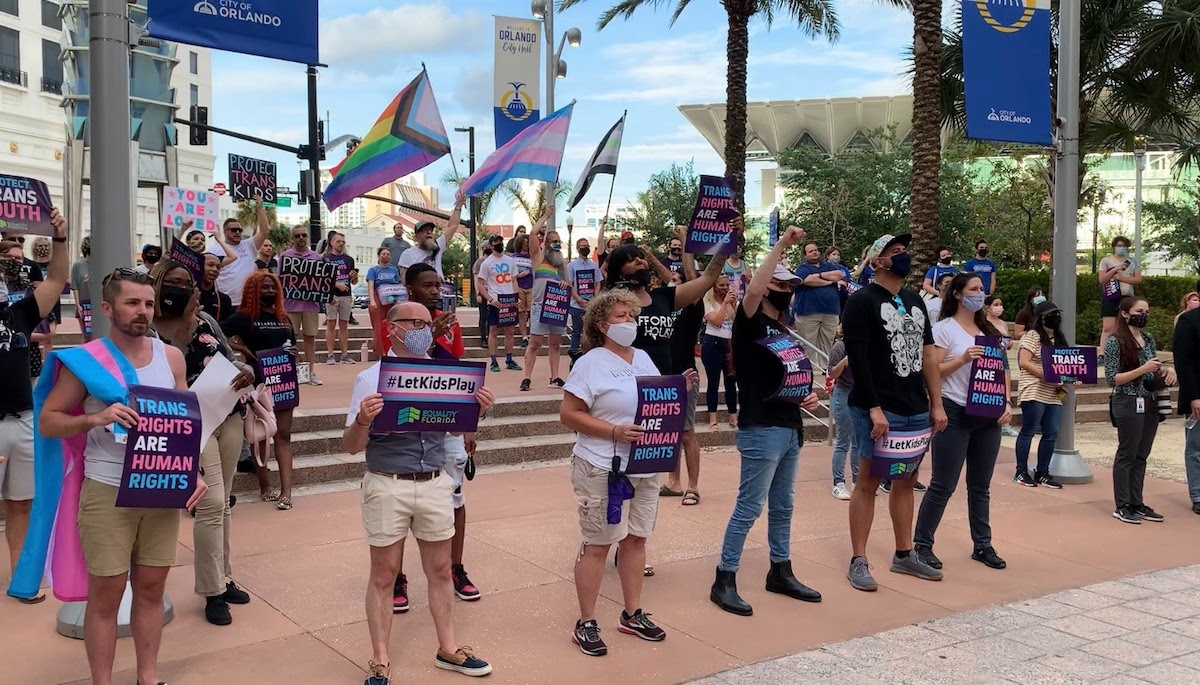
{"x": 363, "y": 354}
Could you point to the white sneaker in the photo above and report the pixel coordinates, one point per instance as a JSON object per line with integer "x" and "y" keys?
{"x": 313, "y": 380}
{"x": 330, "y": 359}
{"x": 840, "y": 492}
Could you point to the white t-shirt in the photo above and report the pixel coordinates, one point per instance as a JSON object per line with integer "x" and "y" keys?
{"x": 950, "y": 336}
{"x": 499, "y": 273}
{"x": 608, "y": 386}
{"x": 934, "y": 306}
{"x": 416, "y": 255}
{"x": 725, "y": 330}
{"x": 233, "y": 276}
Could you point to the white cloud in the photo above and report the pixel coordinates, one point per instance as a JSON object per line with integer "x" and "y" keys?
{"x": 369, "y": 38}
{"x": 686, "y": 68}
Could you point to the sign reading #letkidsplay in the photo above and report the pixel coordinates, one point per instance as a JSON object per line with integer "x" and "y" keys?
{"x": 898, "y": 454}
{"x": 428, "y": 395}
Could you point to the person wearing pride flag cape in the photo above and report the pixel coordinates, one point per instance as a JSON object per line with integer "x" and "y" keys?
{"x": 769, "y": 436}
{"x": 407, "y": 489}
{"x": 549, "y": 267}
{"x": 79, "y": 466}
{"x": 971, "y": 437}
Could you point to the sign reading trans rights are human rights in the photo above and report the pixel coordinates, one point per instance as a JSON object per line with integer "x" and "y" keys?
{"x": 710, "y": 231}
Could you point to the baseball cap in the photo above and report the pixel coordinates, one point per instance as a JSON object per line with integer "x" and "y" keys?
{"x": 149, "y": 248}
{"x": 784, "y": 273}
{"x": 192, "y": 232}
{"x": 625, "y": 235}
{"x": 884, "y": 242}
{"x": 1045, "y": 308}
{"x": 422, "y": 225}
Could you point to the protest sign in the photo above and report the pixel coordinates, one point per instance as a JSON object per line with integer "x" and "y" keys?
{"x": 508, "y": 310}
{"x": 24, "y": 206}
{"x": 898, "y": 454}
{"x": 773, "y": 227}
{"x": 184, "y": 204}
{"x": 249, "y": 177}
{"x": 162, "y": 453}
{"x": 307, "y": 280}
{"x": 986, "y": 395}
{"x": 191, "y": 260}
{"x": 428, "y": 395}
{"x": 555, "y": 304}
{"x": 585, "y": 283}
{"x": 797, "y": 369}
{"x": 449, "y": 298}
{"x": 391, "y": 293}
{"x": 278, "y": 370}
{"x": 660, "y": 413}
{"x": 1069, "y": 365}
{"x": 85, "y": 319}
{"x": 709, "y": 231}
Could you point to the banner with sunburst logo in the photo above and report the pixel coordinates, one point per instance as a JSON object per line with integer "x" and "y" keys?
{"x": 518, "y": 76}
{"x": 1006, "y": 70}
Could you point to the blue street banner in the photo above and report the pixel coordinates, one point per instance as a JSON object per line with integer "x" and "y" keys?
{"x": 1006, "y": 70}
{"x": 281, "y": 29}
{"x": 517, "y": 76}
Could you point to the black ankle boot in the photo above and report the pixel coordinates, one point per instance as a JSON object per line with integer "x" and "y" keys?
{"x": 725, "y": 595}
{"x": 781, "y": 580}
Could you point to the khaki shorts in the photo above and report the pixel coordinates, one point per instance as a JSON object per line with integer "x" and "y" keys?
{"x": 338, "y": 309}
{"x": 591, "y": 492}
{"x": 113, "y": 537}
{"x": 16, "y": 443}
{"x": 305, "y": 323}
{"x": 524, "y": 300}
{"x": 391, "y": 507}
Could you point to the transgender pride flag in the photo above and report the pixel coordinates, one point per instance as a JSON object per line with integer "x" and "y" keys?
{"x": 535, "y": 153}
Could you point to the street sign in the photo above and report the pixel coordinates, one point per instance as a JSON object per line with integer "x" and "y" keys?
{"x": 283, "y": 202}
{"x": 219, "y": 188}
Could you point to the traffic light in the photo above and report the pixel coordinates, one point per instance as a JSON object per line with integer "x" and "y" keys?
{"x": 197, "y": 135}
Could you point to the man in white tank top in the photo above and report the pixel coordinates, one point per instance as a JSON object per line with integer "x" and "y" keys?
{"x": 113, "y": 537}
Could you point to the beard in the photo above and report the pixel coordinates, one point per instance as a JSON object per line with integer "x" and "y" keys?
{"x": 429, "y": 244}
{"x": 555, "y": 258}
{"x": 135, "y": 327}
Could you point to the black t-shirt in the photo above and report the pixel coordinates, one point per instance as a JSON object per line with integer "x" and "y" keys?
{"x": 264, "y": 333}
{"x": 216, "y": 304}
{"x": 17, "y": 321}
{"x": 688, "y": 322}
{"x": 656, "y": 326}
{"x": 885, "y": 335}
{"x": 760, "y": 374}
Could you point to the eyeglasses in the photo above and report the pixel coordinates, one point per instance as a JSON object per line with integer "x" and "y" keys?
{"x": 235, "y": 229}
{"x": 417, "y": 324}
{"x": 299, "y": 235}
{"x": 122, "y": 273}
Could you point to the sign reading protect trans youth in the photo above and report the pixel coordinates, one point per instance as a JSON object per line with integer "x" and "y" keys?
{"x": 24, "y": 206}
{"x": 307, "y": 280}
{"x": 281, "y": 29}
{"x": 710, "y": 231}
{"x": 428, "y": 395}
{"x": 1006, "y": 70}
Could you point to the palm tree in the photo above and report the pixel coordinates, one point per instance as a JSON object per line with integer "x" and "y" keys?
{"x": 813, "y": 17}
{"x": 536, "y": 206}
{"x": 483, "y": 201}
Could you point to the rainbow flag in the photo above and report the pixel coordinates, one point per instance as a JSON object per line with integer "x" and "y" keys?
{"x": 408, "y": 136}
{"x": 535, "y": 153}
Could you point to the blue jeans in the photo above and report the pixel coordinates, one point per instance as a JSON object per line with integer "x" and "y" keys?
{"x": 1034, "y": 414}
{"x": 860, "y": 419}
{"x": 769, "y": 458}
{"x": 1191, "y": 461}
{"x": 576, "y": 329}
{"x": 845, "y": 441}
{"x": 712, "y": 355}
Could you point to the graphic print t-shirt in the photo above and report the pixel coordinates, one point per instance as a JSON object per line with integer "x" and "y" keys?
{"x": 656, "y": 325}
{"x": 890, "y": 331}
{"x": 17, "y": 321}
{"x": 264, "y": 333}
{"x": 345, "y": 264}
{"x": 499, "y": 275}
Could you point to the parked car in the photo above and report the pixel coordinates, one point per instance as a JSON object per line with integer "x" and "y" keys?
{"x": 361, "y": 300}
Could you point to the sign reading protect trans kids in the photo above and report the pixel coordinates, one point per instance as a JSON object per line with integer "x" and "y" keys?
{"x": 282, "y": 29}
{"x": 428, "y": 395}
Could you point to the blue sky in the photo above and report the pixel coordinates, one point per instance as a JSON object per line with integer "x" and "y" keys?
{"x": 644, "y": 65}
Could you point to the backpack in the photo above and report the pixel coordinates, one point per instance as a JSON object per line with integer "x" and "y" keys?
{"x": 260, "y": 422}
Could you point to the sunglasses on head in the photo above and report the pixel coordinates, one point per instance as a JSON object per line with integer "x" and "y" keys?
{"x": 122, "y": 273}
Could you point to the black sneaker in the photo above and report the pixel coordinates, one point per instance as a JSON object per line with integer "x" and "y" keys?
{"x": 927, "y": 556}
{"x": 885, "y": 486}
{"x": 216, "y": 610}
{"x": 1196, "y": 507}
{"x": 525, "y": 382}
{"x": 640, "y": 624}
{"x": 377, "y": 674}
{"x": 988, "y": 556}
{"x": 1047, "y": 481}
{"x": 1023, "y": 478}
{"x": 1127, "y": 515}
{"x": 464, "y": 661}
{"x": 1149, "y": 514}
{"x": 587, "y": 636}
{"x": 557, "y": 383}
{"x": 234, "y": 594}
{"x": 463, "y": 587}
{"x": 400, "y": 595}
{"x": 918, "y": 486}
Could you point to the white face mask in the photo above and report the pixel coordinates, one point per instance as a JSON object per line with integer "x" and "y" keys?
{"x": 622, "y": 334}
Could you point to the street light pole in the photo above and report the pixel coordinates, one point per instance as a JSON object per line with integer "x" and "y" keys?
{"x": 1139, "y": 161}
{"x": 473, "y": 202}
{"x": 551, "y": 77}
{"x": 1067, "y": 465}
{"x": 314, "y": 160}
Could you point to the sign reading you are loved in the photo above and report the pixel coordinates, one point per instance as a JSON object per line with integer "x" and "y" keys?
{"x": 188, "y": 204}
{"x": 660, "y": 414}
{"x": 162, "y": 451}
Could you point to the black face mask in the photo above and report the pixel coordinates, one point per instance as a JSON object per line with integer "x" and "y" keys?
{"x": 1139, "y": 320}
{"x": 1052, "y": 321}
{"x": 174, "y": 300}
{"x": 901, "y": 264}
{"x": 267, "y": 300}
{"x": 638, "y": 279}
{"x": 945, "y": 260}
{"x": 983, "y": 253}
{"x": 675, "y": 251}
{"x": 585, "y": 251}
{"x": 151, "y": 258}
{"x": 779, "y": 300}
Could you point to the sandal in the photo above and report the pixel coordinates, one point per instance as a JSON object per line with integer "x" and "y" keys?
{"x": 269, "y": 496}
{"x": 665, "y": 491}
{"x": 691, "y": 498}
{"x": 648, "y": 571}
{"x": 41, "y": 597}
{"x": 285, "y": 503}
{"x": 712, "y": 425}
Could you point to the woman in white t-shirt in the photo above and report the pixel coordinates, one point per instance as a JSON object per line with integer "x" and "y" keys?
{"x": 970, "y": 440}
{"x": 719, "y": 306}
{"x": 599, "y": 403}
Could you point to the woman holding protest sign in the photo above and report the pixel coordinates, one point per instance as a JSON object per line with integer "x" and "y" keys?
{"x": 770, "y": 429}
{"x": 1041, "y": 402}
{"x": 719, "y": 306}
{"x": 972, "y": 436}
{"x": 549, "y": 275}
{"x": 178, "y": 321}
{"x": 259, "y": 325}
{"x": 600, "y": 401}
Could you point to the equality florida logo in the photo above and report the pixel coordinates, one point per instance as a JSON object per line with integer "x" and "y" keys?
{"x": 429, "y": 417}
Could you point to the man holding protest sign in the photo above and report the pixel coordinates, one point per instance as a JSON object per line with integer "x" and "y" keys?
{"x": 896, "y": 403}
{"x": 407, "y": 489}
{"x": 338, "y": 310}
{"x": 775, "y": 385}
{"x": 98, "y": 377}
{"x": 233, "y": 275}
{"x": 551, "y": 295}
{"x": 583, "y": 277}
{"x": 496, "y": 283}
{"x": 302, "y": 313}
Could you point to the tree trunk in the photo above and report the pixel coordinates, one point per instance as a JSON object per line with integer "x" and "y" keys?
{"x": 925, "y": 220}
{"x": 737, "y": 51}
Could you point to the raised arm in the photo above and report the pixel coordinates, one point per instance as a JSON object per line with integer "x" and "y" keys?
{"x": 455, "y": 222}
{"x": 264, "y": 226}
{"x": 689, "y": 260}
{"x": 229, "y": 257}
{"x": 600, "y": 238}
{"x": 756, "y": 290}
{"x": 537, "y": 250}
{"x": 49, "y": 290}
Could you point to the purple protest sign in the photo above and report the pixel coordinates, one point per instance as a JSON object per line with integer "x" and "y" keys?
{"x": 709, "y": 231}
{"x": 986, "y": 396}
{"x": 661, "y": 416}
{"x": 585, "y": 283}
{"x": 797, "y": 369}
{"x": 162, "y": 453}
{"x": 1069, "y": 365}
{"x": 555, "y": 304}
{"x": 85, "y": 319}
{"x": 191, "y": 260}
{"x": 24, "y": 206}
{"x": 277, "y": 368}
{"x": 898, "y": 454}
{"x": 428, "y": 395}
{"x": 508, "y": 310}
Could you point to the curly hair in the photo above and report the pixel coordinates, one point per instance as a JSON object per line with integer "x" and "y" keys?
{"x": 251, "y": 304}
{"x": 599, "y": 309}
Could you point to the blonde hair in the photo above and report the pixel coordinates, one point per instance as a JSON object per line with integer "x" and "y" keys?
{"x": 710, "y": 297}
{"x": 1184, "y": 301}
{"x": 599, "y": 309}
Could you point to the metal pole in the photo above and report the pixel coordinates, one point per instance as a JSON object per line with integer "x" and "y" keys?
{"x": 314, "y": 159}
{"x": 1067, "y": 465}
{"x": 1139, "y": 157}
{"x": 551, "y": 77}
{"x": 474, "y": 202}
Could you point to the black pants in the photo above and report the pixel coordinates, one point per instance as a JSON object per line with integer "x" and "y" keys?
{"x": 1135, "y": 437}
{"x": 713, "y": 356}
{"x": 972, "y": 440}
{"x": 483, "y": 324}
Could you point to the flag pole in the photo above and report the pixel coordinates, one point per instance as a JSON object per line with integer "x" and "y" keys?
{"x": 613, "y": 183}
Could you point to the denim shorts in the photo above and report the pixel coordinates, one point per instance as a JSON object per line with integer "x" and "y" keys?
{"x": 860, "y": 420}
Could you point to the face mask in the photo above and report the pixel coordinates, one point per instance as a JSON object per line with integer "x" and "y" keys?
{"x": 973, "y": 303}
{"x": 901, "y": 264}
{"x": 1192, "y": 304}
{"x": 418, "y": 340}
{"x": 675, "y": 251}
{"x": 487, "y": 252}
{"x": 1121, "y": 251}
{"x": 1052, "y": 321}
{"x": 641, "y": 278}
{"x": 945, "y": 260}
{"x": 779, "y": 300}
{"x": 1139, "y": 320}
{"x": 151, "y": 258}
{"x": 585, "y": 251}
{"x": 622, "y": 334}
{"x": 997, "y": 311}
{"x": 835, "y": 258}
{"x": 555, "y": 246}
{"x": 983, "y": 253}
{"x": 267, "y": 300}
{"x": 12, "y": 269}
{"x": 174, "y": 300}
{"x": 1038, "y": 300}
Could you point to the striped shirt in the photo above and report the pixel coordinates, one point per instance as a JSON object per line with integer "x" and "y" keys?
{"x": 1030, "y": 388}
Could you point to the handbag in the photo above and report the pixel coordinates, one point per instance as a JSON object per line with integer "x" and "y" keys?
{"x": 260, "y": 425}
